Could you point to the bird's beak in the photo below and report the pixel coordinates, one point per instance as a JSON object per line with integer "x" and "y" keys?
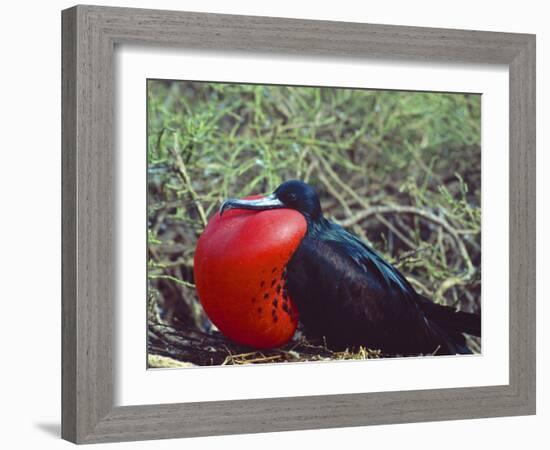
{"x": 268, "y": 202}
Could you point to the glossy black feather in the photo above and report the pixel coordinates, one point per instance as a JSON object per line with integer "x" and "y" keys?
{"x": 349, "y": 295}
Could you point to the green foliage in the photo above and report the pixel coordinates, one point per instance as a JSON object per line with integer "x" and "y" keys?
{"x": 400, "y": 169}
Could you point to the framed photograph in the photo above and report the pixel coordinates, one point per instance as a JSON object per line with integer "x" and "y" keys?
{"x": 278, "y": 224}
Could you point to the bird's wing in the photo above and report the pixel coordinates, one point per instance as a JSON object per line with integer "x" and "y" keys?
{"x": 368, "y": 261}
{"x": 348, "y": 293}
{"x": 447, "y": 317}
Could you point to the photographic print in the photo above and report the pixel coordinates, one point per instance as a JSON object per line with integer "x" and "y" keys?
{"x": 290, "y": 223}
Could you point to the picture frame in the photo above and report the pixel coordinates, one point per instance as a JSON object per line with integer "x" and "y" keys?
{"x": 89, "y": 37}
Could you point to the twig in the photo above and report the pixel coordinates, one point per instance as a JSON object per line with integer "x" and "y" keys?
{"x": 395, "y": 231}
{"x": 182, "y": 170}
{"x": 327, "y": 167}
{"x": 174, "y": 279}
{"x": 398, "y": 209}
{"x": 334, "y": 192}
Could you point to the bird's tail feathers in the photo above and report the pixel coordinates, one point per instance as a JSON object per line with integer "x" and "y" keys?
{"x": 449, "y": 318}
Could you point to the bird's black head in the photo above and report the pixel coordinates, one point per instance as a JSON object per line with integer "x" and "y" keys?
{"x": 302, "y": 197}
{"x": 293, "y": 194}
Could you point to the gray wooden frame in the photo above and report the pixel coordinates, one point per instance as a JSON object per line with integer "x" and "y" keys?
{"x": 89, "y": 36}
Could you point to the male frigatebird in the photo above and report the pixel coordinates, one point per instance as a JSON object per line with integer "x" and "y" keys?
{"x": 344, "y": 292}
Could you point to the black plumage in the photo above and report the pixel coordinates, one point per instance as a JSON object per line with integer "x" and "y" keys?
{"x": 348, "y": 295}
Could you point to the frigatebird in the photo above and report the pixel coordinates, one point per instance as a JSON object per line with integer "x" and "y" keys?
{"x": 349, "y": 295}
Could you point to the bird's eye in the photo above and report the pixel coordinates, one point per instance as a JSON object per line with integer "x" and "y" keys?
{"x": 292, "y": 197}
